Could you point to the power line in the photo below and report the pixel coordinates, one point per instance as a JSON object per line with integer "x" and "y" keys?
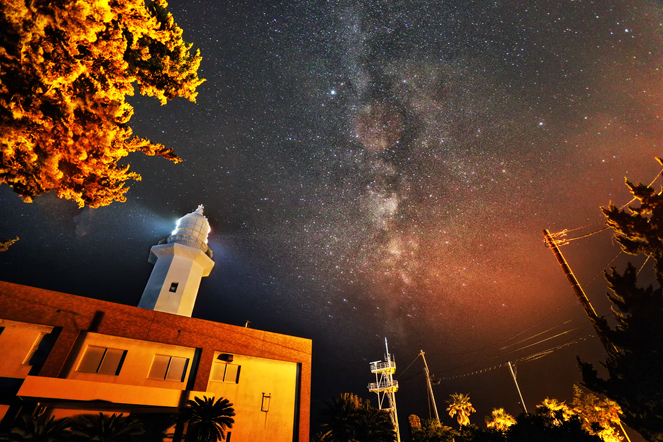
{"x": 643, "y": 264}
{"x": 606, "y": 266}
{"x": 583, "y": 227}
{"x": 413, "y": 361}
{"x": 516, "y": 350}
{"x": 586, "y": 235}
{"x": 523, "y": 359}
{"x": 534, "y": 336}
{"x": 527, "y": 358}
{"x": 496, "y": 356}
{"x": 549, "y": 338}
{"x": 510, "y": 337}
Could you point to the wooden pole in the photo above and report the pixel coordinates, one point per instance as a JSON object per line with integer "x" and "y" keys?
{"x": 430, "y": 387}
{"x": 577, "y": 289}
{"x": 513, "y": 374}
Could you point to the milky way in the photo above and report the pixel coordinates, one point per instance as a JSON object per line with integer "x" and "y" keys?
{"x": 385, "y": 169}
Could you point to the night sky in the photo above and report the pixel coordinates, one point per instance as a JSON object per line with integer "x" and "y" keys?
{"x": 379, "y": 169}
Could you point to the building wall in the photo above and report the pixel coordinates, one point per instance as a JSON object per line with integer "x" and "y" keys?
{"x": 18, "y": 344}
{"x": 273, "y": 363}
{"x": 263, "y": 396}
{"x": 18, "y": 341}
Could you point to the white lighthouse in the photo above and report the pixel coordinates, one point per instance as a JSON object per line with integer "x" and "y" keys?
{"x": 180, "y": 262}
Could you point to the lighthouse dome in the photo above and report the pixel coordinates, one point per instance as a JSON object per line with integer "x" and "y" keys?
{"x": 192, "y": 230}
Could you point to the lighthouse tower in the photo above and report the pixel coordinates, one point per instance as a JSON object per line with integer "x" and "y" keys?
{"x": 180, "y": 262}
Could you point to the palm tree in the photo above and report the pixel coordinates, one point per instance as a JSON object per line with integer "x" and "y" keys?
{"x": 558, "y": 411}
{"x": 340, "y": 418}
{"x": 104, "y": 428}
{"x": 376, "y": 426}
{"x": 500, "y": 420}
{"x": 208, "y": 420}
{"x": 38, "y": 428}
{"x": 461, "y": 407}
{"x": 350, "y": 419}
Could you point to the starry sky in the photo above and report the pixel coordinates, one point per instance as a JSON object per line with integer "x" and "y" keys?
{"x": 385, "y": 168}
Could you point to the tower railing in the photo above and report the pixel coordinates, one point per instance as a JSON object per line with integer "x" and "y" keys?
{"x": 381, "y": 366}
{"x": 383, "y": 385}
{"x": 188, "y": 241}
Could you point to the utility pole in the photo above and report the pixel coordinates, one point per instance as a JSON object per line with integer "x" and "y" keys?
{"x": 577, "y": 289}
{"x": 513, "y": 374}
{"x": 430, "y": 386}
{"x": 584, "y": 301}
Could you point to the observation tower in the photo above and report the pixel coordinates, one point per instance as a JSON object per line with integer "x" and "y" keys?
{"x": 386, "y": 387}
{"x": 180, "y": 262}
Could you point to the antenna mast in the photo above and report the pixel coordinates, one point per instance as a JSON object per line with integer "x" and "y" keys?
{"x": 386, "y": 387}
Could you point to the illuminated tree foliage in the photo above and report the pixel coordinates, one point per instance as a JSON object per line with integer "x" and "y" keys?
{"x": 431, "y": 430}
{"x": 635, "y": 362}
{"x": 6, "y": 244}
{"x": 552, "y": 421}
{"x": 66, "y": 68}
{"x": 547, "y": 425}
{"x": 500, "y": 420}
{"x": 598, "y": 416}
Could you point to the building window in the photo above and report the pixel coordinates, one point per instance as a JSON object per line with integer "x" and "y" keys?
{"x": 169, "y": 368}
{"x": 33, "y": 349}
{"x": 226, "y": 373}
{"x": 266, "y": 399}
{"x": 102, "y": 360}
{"x": 173, "y": 286}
